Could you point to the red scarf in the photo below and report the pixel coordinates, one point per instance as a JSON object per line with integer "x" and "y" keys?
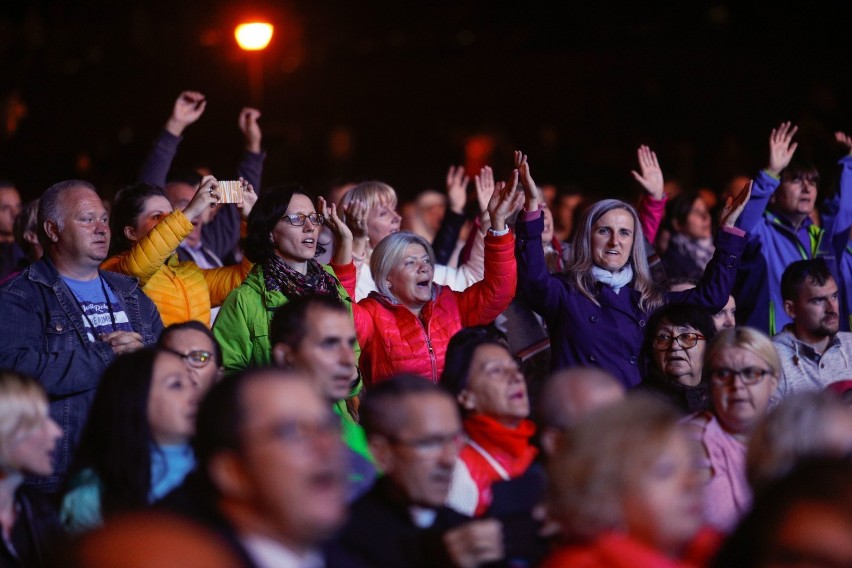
{"x": 509, "y": 446}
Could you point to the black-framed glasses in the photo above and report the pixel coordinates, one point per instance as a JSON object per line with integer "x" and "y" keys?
{"x": 433, "y": 444}
{"x": 298, "y": 219}
{"x": 749, "y": 375}
{"x": 197, "y": 358}
{"x": 686, "y": 340}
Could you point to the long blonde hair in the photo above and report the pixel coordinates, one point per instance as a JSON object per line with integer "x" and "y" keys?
{"x": 580, "y": 270}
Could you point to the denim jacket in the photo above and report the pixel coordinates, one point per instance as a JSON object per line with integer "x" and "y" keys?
{"x": 42, "y": 335}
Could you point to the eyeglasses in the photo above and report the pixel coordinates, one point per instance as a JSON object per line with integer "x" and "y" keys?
{"x": 303, "y": 431}
{"x": 298, "y": 219}
{"x": 433, "y": 444}
{"x": 685, "y": 340}
{"x": 749, "y": 376}
{"x": 197, "y": 358}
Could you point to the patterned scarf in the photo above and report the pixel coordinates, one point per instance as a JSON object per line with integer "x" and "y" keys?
{"x": 278, "y": 275}
{"x": 699, "y": 250}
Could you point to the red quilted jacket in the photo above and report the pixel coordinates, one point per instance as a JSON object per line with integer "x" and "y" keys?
{"x": 394, "y": 340}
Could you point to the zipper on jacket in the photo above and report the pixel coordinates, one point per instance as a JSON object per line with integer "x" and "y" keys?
{"x": 431, "y": 352}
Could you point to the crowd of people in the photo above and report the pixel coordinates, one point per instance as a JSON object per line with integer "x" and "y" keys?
{"x": 225, "y": 373}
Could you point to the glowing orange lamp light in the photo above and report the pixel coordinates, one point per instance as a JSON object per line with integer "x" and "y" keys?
{"x": 253, "y": 36}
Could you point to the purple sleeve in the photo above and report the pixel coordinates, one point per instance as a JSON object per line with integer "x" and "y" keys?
{"x": 156, "y": 166}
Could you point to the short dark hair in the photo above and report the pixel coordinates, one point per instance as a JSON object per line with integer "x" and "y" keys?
{"x": 460, "y": 352}
{"x": 678, "y": 280}
{"x": 126, "y": 208}
{"x": 798, "y": 170}
{"x": 679, "y": 207}
{"x": 289, "y": 324}
{"x": 196, "y": 326}
{"x": 270, "y": 207}
{"x": 678, "y": 314}
{"x": 798, "y": 272}
{"x": 380, "y": 410}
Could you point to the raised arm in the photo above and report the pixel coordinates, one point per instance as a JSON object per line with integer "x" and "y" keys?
{"x": 781, "y": 151}
{"x": 717, "y": 283}
{"x": 540, "y": 290}
{"x": 188, "y": 108}
{"x": 836, "y": 212}
{"x": 445, "y": 239}
{"x": 251, "y": 164}
{"x": 651, "y": 208}
{"x": 484, "y": 301}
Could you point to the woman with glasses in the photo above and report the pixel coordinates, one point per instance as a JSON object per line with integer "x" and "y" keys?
{"x": 742, "y": 368}
{"x": 488, "y": 384}
{"x": 193, "y": 342}
{"x": 282, "y": 242}
{"x": 597, "y": 310}
{"x": 146, "y": 232}
{"x": 135, "y": 448}
{"x": 675, "y": 339}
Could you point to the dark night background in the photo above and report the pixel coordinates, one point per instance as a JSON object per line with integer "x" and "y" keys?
{"x": 578, "y": 85}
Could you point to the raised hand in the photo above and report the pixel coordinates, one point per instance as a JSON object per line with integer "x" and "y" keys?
{"x": 844, "y": 140}
{"x": 734, "y": 206}
{"x": 484, "y": 183}
{"x": 188, "y": 108}
{"x": 504, "y": 201}
{"x": 531, "y": 192}
{"x": 781, "y": 147}
{"x": 250, "y": 128}
{"x": 650, "y": 175}
{"x": 249, "y": 199}
{"x": 339, "y": 230}
{"x": 207, "y": 195}
{"x": 457, "y": 188}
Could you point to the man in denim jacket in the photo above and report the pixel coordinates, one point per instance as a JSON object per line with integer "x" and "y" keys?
{"x": 63, "y": 321}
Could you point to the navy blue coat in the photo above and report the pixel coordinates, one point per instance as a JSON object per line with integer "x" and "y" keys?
{"x": 610, "y": 335}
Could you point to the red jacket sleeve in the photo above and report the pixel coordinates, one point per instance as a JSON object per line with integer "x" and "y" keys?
{"x": 484, "y": 301}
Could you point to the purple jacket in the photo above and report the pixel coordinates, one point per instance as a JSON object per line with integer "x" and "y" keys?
{"x": 610, "y": 335}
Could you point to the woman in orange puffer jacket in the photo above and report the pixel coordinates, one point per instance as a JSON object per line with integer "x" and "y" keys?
{"x": 146, "y": 232}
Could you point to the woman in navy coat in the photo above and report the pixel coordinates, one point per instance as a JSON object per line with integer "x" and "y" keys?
{"x": 597, "y": 310}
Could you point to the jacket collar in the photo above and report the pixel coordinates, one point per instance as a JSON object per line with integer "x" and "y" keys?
{"x": 44, "y": 272}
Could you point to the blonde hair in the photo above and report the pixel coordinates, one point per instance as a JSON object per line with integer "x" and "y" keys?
{"x": 602, "y": 457}
{"x": 23, "y": 405}
{"x": 373, "y": 193}
{"x": 579, "y": 272}
{"x": 748, "y": 338}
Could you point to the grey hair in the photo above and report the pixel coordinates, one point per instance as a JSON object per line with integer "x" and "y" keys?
{"x": 580, "y": 270}
{"x": 794, "y": 431}
{"x": 389, "y": 253}
{"x": 49, "y": 207}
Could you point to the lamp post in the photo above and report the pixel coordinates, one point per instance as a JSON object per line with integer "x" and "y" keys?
{"x": 254, "y": 37}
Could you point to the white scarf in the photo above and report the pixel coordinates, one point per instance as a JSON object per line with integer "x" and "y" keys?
{"x": 615, "y": 280}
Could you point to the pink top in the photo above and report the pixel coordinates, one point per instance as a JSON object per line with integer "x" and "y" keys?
{"x": 727, "y": 496}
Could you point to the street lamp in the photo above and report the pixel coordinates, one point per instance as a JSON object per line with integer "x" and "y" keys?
{"x": 254, "y": 37}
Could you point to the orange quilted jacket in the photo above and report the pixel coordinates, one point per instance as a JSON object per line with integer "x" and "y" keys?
{"x": 180, "y": 290}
